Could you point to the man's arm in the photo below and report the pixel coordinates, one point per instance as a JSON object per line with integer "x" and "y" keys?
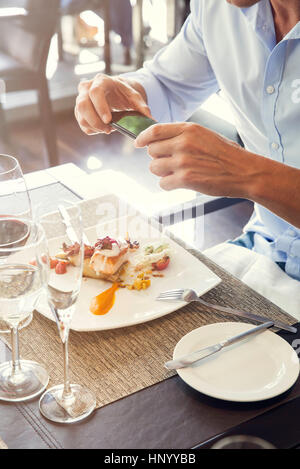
{"x": 174, "y": 83}
{"x": 278, "y": 189}
{"x": 189, "y": 156}
{"x": 179, "y": 78}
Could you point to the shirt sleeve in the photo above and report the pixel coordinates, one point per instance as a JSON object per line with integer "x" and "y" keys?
{"x": 179, "y": 78}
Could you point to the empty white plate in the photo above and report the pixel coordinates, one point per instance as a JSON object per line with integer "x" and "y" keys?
{"x": 259, "y": 368}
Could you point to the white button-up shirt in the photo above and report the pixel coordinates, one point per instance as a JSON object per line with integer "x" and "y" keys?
{"x": 234, "y": 49}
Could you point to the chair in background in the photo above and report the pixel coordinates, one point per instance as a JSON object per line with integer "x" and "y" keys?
{"x": 118, "y": 16}
{"x": 75, "y": 7}
{"x": 24, "y": 48}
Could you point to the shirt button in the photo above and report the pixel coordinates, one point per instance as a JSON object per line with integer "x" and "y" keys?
{"x": 270, "y": 89}
{"x": 275, "y": 146}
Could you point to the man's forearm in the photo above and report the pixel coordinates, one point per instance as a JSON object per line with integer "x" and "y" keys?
{"x": 204, "y": 161}
{"x": 277, "y": 187}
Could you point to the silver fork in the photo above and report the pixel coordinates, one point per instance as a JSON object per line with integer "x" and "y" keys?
{"x": 189, "y": 295}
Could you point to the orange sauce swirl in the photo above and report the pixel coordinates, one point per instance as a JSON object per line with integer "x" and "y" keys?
{"x": 103, "y": 303}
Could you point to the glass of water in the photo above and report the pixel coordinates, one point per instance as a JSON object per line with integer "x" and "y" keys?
{"x": 14, "y": 203}
{"x": 23, "y": 272}
{"x": 242, "y": 442}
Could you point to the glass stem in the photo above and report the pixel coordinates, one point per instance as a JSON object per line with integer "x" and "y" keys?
{"x": 16, "y": 368}
{"x": 67, "y": 392}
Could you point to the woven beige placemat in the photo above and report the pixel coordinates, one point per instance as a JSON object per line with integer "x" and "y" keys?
{"x": 120, "y": 362}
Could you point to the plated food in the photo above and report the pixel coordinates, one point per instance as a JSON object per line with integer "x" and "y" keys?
{"x": 131, "y": 306}
{"x": 104, "y": 260}
{"x": 120, "y": 261}
{"x": 116, "y": 261}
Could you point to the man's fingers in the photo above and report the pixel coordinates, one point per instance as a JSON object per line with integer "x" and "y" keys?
{"x": 87, "y": 130}
{"x": 98, "y": 98}
{"x": 162, "y": 167}
{"x": 93, "y": 118}
{"x": 161, "y": 149}
{"x": 159, "y": 132}
{"x": 87, "y": 116}
{"x": 82, "y": 123}
{"x": 84, "y": 85}
{"x": 169, "y": 182}
{"x": 139, "y": 105}
{"x": 86, "y": 127}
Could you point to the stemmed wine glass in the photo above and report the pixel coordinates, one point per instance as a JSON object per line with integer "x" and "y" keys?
{"x": 14, "y": 195}
{"x": 65, "y": 403}
{"x": 22, "y": 275}
{"x": 14, "y": 203}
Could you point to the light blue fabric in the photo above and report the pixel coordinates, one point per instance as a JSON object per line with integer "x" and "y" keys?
{"x": 224, "y": 47}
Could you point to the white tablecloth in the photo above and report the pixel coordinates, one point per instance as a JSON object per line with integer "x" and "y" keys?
{"x": 260, "y": 273}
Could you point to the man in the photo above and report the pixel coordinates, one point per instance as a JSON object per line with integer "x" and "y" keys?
{"x": 251, "y": 51}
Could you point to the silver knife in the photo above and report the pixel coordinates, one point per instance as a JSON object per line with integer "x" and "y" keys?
{"x": 247, "y": 315}
{"x": 193, "y": 357}
{"x": 69, "y": 228}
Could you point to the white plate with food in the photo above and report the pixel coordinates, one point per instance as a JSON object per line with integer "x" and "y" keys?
{"x": 261, "y": 367}
{"x": 128, "y": 275}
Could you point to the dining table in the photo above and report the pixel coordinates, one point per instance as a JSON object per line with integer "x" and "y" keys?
{"x": 167, "y": 415}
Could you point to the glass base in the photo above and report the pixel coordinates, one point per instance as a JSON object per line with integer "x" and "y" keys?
{"x": 29, "y": 382}
{"x": 78, "y": 406}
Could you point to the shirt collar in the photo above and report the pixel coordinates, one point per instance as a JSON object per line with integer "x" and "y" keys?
{"x": 294, "y": 33}
{"x": 260, "y": 16}
{"x": 261, "y": 20}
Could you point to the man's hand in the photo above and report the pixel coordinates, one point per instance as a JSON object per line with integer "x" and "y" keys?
{"x": 190, "y": 156}
{"x": 99, "y": 97}
{"x": 186, "y": 155}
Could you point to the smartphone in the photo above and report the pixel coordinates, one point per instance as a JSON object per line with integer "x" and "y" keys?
{"x": 131, "y": 123}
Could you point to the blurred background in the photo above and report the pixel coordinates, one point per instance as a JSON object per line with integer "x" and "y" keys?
{"x": 48, "y": 46}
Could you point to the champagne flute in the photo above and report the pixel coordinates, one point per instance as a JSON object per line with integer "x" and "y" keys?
{"x": 22, "y": 275}
{"x": 14, "y": 203}
{"x": 65, "y": 403}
